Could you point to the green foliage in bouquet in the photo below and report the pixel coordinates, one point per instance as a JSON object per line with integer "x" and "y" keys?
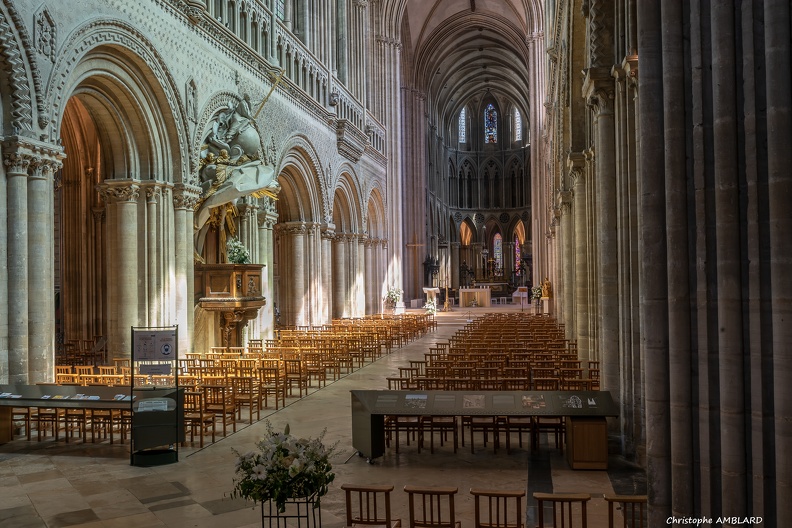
{"x": 284, "y": 467}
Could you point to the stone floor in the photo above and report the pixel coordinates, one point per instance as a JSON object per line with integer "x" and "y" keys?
{"x": 55, "y": 484}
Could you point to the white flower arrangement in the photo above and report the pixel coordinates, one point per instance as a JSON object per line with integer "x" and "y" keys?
{"x": 431, "y": 306}
{"x": 394, "y": 295}
{"x": 536, "y": 292}
{"x": 236, "y": 252}
{"x": 285, "y": 467}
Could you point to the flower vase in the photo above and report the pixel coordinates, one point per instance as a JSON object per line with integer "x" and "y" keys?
{"x": 304, "y": 512}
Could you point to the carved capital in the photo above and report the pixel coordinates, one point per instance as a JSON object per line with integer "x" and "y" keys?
{"x": 44, "y": 169}
{"x": 563, "y": 201}
{"x": 120, "y": 191}
{"x": 153, "y": 192}
{"x": 293, "y": 229}
{"x": 98, "y": 214}
{"x": 576, "y": 165}
{"x": 186, "y": 196}
{"x": 17, "y": 163}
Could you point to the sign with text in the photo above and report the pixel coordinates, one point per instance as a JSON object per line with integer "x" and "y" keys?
{"x": 157, "y": 345}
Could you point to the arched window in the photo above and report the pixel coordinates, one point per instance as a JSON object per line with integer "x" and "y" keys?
{"x": 517, "y": 255}
{"x": 462, "y": 126}
{"x": 490, "y": 124}
{"x": 497, "y": 249}
{"x": 517, "y": 125}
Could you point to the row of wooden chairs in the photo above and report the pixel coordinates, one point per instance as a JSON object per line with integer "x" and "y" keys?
{"x": 434, "y": 507}
{"x": 74, "y": 423}
{"x": 418, "y": 428}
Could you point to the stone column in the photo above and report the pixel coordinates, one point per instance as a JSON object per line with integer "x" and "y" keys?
{"x": 328, "y": 233}
{"x": 153, "y": 284}
{"x": 779, "y": 125}
{"x": 41, "y": 271}
{"x": 185, "y": 197}
{"x": 124, "y": 194}
{"x": 599, "y": 92}
{"x": 369, "y": 283}
{"x": 508, "y": 259}
{"x": 565, "y": 302}
{"x": 4, "y": 312}
{"x": 455, "y": 264}
{"x": 267, "y": 217}
{"x": 17, "y": 166}
{"x": 653, "y": 270}
{"x": 99, "y": 274}
{"x": 728, "y": 224}
{"x": 390, "y": 48}
{"x": 342, "y": 44}
{"x": 360, "y": 275}
{"x": 339, "y": 276}
{"x": 352, "y": 271}
{"x": 581, "y": 316}
{"x": 677, "y": 260}
{"x": 295, "y": 243}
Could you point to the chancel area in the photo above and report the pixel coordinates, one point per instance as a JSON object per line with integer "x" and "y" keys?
{"x": 328, "y": 181}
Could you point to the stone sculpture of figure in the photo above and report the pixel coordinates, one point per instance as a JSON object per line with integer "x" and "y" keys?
{"x": 547, "y": 288}
{"x": 231, "y": 167}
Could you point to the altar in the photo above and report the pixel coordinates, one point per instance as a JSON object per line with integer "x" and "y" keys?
{"x": 481, "y": 296}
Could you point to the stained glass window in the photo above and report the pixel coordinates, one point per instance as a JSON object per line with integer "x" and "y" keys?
{"x": 497, "y": 246}
{"x": 280, "y": 9}
{"x": 517, "y": 125}
{"x": 490, "y": 124}
{"x": 462, "y": 127}
{"x": 517, "y": 253}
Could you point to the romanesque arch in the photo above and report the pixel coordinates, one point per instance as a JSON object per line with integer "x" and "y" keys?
{"x": 297, "y": 289}
{"x": 115, "y": 109}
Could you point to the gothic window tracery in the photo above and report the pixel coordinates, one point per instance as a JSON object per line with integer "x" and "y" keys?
{"x": 490, "y": 124}
{"x": 517, "y": 125}
{"x": 497, "y": 250}
{"x": 462, "y": 126}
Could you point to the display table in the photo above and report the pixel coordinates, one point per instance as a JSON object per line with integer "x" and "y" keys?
{"x": 154, "y": 408}
{"x": 370, "y": 407}
{"x": 481, "y": 295}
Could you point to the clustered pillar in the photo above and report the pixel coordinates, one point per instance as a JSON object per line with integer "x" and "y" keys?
{"x": 30, "y": 167}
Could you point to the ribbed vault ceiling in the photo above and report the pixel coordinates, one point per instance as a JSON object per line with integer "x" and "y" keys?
{"x": 462, "y": 48}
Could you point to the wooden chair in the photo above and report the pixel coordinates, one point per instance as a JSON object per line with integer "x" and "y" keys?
{"x": 633, "y": 509}
{"x": 369, "y": 506}
{"x": 295, "y": 374}
{"x": 485, "y": 425}
{"x": 196, "y": 418}
{"x": 246, "y": 393}
{"x": 270, "y": 382}
{"x": 397, "y": 424}
{"x": 498, "y": 508}
{"x": 26, "y": 415}
{"x": 220, "y": 402}
{"x": 563, "y": 509}
{"x": 432, "y": 507}
{"x": 102, "y": 422}
{"x": 441, "y": 425}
